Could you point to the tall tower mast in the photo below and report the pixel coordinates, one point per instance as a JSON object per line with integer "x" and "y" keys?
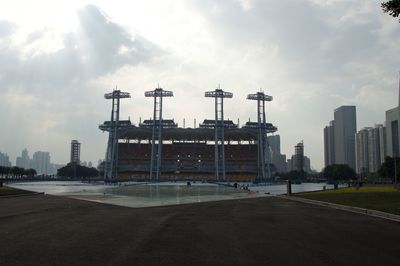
{"x": 219, "y": 159}
{"x": 156, "y": 147}
{"x": 262, "y": 146}
{"x": 111, "y": 160}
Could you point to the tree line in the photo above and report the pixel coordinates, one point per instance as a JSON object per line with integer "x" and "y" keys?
{"x": 75, "y": 170}
{"x": 16, "y": 172}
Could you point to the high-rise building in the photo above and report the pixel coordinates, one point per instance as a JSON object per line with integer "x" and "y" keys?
{"x": 75, "y": 151}
{"x": 4, "y": 160}
{"x": 23, "y": 161}
{"x": 370, "y": 152}
{"x": 299, "y": 156}
{"x": 362, "y": 151}
{"x": 382, "y": 143}
{"x": 374, "y": 149}
{"x": 277, "y": 159}
{"x": 393, "y": 129}
{"x": 345, "y": 128}
{"x": 274, "y": 143}
{"x": 329, "y": 144}
{"x": 41, "y": 162}
{"x": 307, "y": 164}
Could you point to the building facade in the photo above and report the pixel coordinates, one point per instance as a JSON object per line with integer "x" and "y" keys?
{"x": 4, "y": 160}
{"x": 75, "y": 152}
{"x": 345, "y": 128}
{"x": 23, "y": 161}
{"x": 299, "y": 156}
{"x": 362, "y": 151}
{"x": 392, "y": 130}
{"x": 329, "y": 144}
{"x": 41, "y": 162}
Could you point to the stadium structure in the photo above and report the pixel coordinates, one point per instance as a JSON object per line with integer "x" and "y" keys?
{"x": 157, "y": 149}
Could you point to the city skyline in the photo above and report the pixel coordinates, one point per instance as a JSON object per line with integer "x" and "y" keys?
{"x": 60, "y": 58}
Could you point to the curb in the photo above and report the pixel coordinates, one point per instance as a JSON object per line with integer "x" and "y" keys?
{"x": 369, "y": 212}
{"x": 21, "y": 195}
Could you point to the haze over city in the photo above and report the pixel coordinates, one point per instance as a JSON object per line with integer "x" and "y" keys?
{"x": 59, "y": 58}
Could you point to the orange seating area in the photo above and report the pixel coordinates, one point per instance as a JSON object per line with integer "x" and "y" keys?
{"x": 194, "y": 160}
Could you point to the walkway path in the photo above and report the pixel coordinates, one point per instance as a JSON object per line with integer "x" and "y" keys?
{"x": 45, "y": 230}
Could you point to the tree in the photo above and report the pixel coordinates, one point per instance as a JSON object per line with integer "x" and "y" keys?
{"x": 336, "y": 172}
{"x": 387, "y": 168}
{"x": 81, "y": 171}
{"x": 392, "y": 7}
{"x": 30, "y": 172}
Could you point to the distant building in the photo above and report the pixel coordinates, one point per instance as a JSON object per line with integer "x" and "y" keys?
{"x": 362, "y": 151}
{"x": 41, "y": 162}
{"x": 329, "y": 144}
{"x": 382, "y": 143}
{"x": 307, "y": 165}
{"x": 393, "y": 129}
{"x": 75, "y": 152}
{"x": 299, "y": 156}
{"x": 345, "y": 128}
{"x": 274, "y": 143}
{"x": 4, "y": 160}
{"x": 23, "y": 161}
{"x": 277, "y": 159}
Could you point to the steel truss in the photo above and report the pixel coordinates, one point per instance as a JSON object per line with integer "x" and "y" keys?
{"x": 262, "y": 144}
{"x": 111, "y": 160}
{"x": 219, "y": 157}
{"x": 156, "y": 141}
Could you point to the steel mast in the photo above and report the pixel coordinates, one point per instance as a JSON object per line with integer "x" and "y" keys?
{"x": 219, "y": 158}
{"x": 156, "y": 148}
{"x": 262, "y": 145}
{"x": 111, "y": 160}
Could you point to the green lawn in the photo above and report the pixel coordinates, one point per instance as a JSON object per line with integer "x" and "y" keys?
{"x": 8, "y": 191}
{"x": 380, "y": 197}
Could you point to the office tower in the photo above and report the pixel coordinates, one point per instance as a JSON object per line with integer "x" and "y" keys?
{"x": 369, "y": 146}
{"x": 75, "y": 152}
{"x": 345, "y": 128}
{"x": 374, "y": 149}
{"x": 4, "y": 160}
{"x": 299, "y": 156}
{"x": 382, "y": 143}
{"x": 23, "y": 161}
{"x": 362, "y": 151}
{"x": 41, "y": 162}
{"x": 274, "y": 143}
{"x": 307, "y": 164}
{"x": 277, "y": 159}
{"x": 329, "y": 144}
{"x": 392, "y": 130}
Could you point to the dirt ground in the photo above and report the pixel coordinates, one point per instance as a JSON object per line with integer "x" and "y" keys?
{"x": 49, "y": 230}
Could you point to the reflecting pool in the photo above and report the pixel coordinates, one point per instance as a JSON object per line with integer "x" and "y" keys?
{"x": 135, "y": 194}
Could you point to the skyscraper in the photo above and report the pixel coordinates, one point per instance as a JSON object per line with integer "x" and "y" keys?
{"x": 382, "y": 143}
{"x": 23, "y": 161}
{"x": 392, "y": 130}
{"x": 41, "y": 162}
{"x": 299, "y": 156}
{"x": 345, "y": 128}
{"x": 75, "y": 152}
{"x": 329, "y": 144}
{"x": 362, "y": 151}
{"x": 4, "y": 160}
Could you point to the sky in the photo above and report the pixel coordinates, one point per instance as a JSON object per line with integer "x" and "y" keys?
{"x": 59, "y": 58}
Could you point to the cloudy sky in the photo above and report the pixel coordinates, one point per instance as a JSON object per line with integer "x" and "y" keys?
{"x": 58, "y": 58}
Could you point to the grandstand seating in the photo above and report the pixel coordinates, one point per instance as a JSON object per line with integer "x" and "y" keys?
{"x": 189, "y": 159}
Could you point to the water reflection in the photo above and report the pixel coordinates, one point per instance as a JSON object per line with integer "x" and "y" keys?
{"x": 158, "y": 194}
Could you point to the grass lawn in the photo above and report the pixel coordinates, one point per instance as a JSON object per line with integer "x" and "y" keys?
{"x": 376, "y": 197}
{"x": 9, "y": 191}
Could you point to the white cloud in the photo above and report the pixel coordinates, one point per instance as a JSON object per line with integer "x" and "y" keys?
{"x": 311, "y": 55}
